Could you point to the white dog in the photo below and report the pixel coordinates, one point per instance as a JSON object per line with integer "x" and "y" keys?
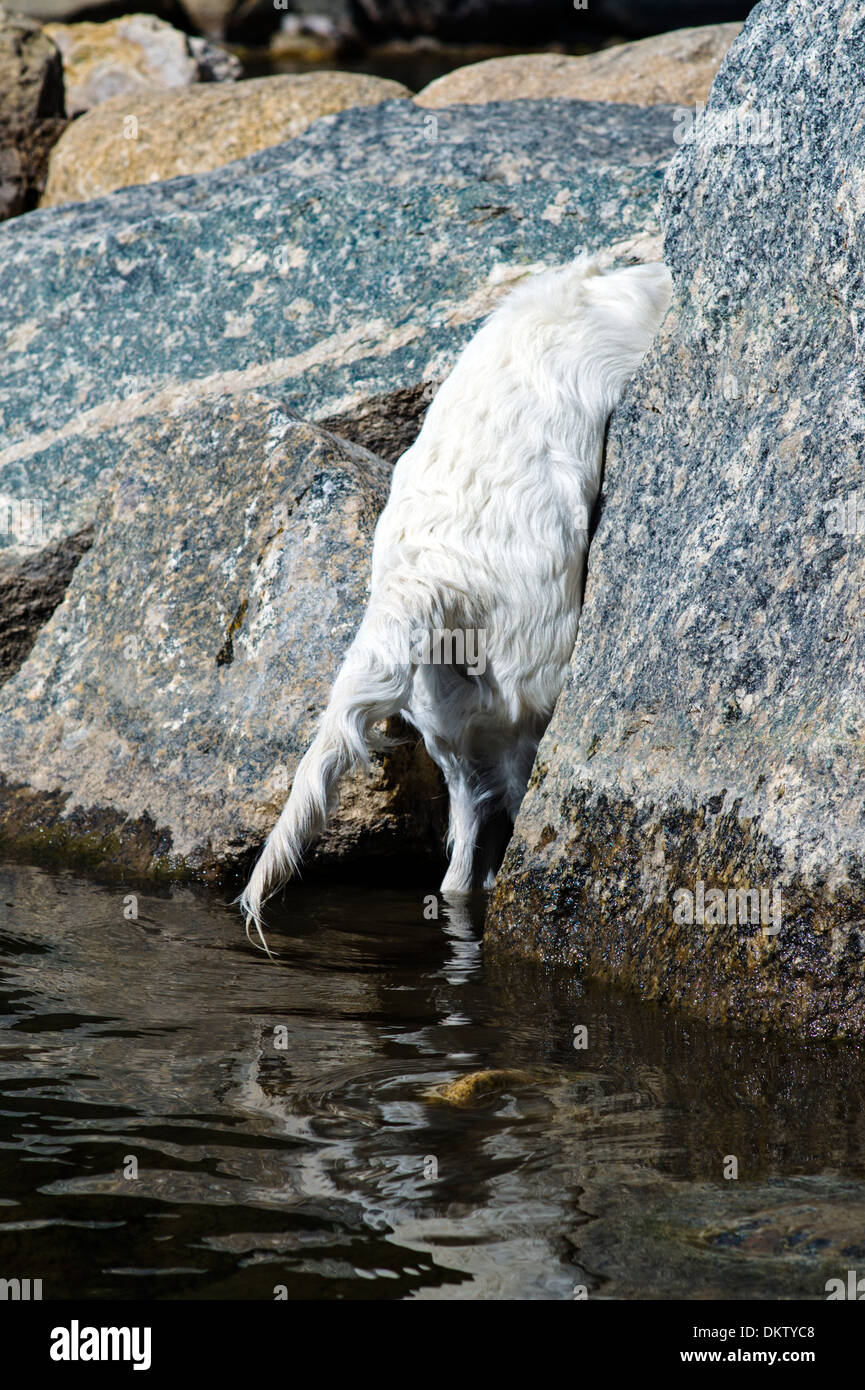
{"x": 482, "y": 544}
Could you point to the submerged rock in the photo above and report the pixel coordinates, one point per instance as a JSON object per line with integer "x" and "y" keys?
{"x": 678, "y": 68}
{"x": 157, "y": 722}
{"x": 135, "y": 53}
{"x": 710, "y": 734}
{"x": 32, "y": 111}
{"x": 144, "y": 136}
{"x": 480, "y": 1087}
{"x": 345, "y": 268}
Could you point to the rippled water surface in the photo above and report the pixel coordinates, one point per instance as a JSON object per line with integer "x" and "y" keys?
{"x": 180, "y": 1118}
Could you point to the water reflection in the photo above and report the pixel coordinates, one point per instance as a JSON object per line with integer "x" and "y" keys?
{"x": 180, "y": 1117}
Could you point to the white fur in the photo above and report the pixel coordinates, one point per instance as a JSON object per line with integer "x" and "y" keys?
{"x": 485, "y": 530}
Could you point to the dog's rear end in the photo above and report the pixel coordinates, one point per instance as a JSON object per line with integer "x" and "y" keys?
{"x": 485, "y": 534}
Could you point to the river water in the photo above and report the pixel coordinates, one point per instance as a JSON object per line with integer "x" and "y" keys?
{"x": 182, "y": 1118}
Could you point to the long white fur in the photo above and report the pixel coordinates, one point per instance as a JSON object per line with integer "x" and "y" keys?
{"x": 485, "y": 530}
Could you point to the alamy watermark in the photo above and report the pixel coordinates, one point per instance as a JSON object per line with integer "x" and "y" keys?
{"x": 20, "y": 1290}
{"x": 852, "y": 1288}
{"x": 21, "y": 518}
{"x": 702, "y": 906}
{"x": 77, "y": 1343}
{"x": 735, "y": 127}
{"x": 845, "y": 516}
{"x": 462, "y": 647}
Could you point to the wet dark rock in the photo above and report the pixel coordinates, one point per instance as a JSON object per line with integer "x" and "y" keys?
{"x": 712, "y": 726}
{"x": 156, "y": 724}
{"x": 32, "y": 113}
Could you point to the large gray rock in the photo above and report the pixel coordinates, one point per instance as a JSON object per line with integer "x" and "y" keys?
{"x": 712, "y": 727}
{"x": 32, "y": 113}
{"x": 345, "y": 268}
{"x": 156, "y": 724}
{"x": 196, "y": 128}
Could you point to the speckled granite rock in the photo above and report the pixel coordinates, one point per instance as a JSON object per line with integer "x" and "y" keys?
{"x": 158, "y": 720}
{"x": 146, "y": 136}
{"x": 32, "y": 113}
{"x": 347, "y": 268}
{"x": 678, "y": 68}
{"x": 712, "y": 727}
{"x": 137, "y": 52}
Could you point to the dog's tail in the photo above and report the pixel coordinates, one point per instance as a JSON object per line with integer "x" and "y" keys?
{"x": 373, "y": 683}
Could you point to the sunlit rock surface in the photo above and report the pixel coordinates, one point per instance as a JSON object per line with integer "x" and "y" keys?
{"x": 157, "y": 723}
{"x": 712, "y": 727}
